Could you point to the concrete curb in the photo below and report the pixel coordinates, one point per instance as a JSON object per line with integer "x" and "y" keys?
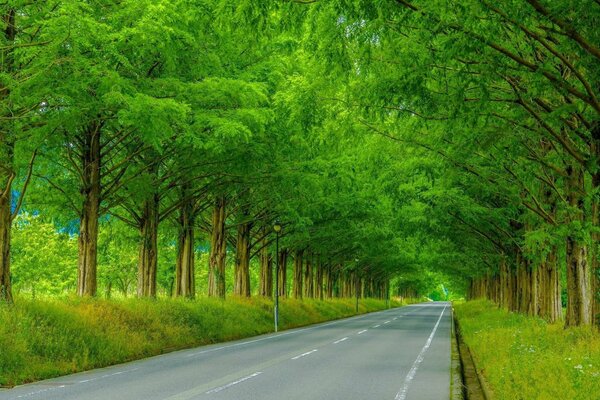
{"x": 457, "y": 388}
{"x": 474, "y": 383}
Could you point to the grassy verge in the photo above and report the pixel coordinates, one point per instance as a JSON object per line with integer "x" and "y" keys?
{"x": 43, "y": 339}
{"x": 527, "y": 358}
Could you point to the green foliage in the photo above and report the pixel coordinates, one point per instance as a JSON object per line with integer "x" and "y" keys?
{"x": 527, "y": 358}
{"x": 417, "y": 147}
{"x": 44, "y": 260}
{"x": 42, "y": 339}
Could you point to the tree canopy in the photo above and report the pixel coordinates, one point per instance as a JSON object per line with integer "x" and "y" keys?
{"x": 401, "y": 145}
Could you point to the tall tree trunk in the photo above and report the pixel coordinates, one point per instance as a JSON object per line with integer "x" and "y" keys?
{"x": 578, "y": 285}
{"x": 523, "y": 284}
{"x": 533, "y": 275}
{"x": 579, "y": 296}
{"x": 348, "y": 285}
{"x": 595, "y": 268}
{"x": 5, "y": 229}
{"x": 266, "y": 272}
{"x": 514, "y": 293}
{"x": 218, "y": 250}
{"x": 185, "y": 285}
{"x": 298, "y": 274}
{"x": 328, "y": 280}
{"x": 308, "y": 277}
{"x": 282, "y": 273}
{"x": 319, "y": 280}
{"x": 148, "y": 258}
{"x": 553, "y": 303}
{"x": 549, "y": 277}
{"x": 241, "y": 285}
{"x": 90, "y": 211}
{"x": 504, "y": 287}
{"x": 7, "y": 173}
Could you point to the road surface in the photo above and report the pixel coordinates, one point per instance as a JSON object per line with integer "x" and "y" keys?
{"x": 397, "y": 354}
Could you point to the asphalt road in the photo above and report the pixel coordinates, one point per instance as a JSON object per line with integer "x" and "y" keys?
{"x": 399, "y": 354}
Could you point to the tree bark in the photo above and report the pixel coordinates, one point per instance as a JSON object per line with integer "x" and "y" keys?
{"x": 349, "y": 282}
{"x": 266, "y": 272}
{"x": 90, "y": 212}
{"x": 503, "y": 278}
{"x": 319, "y": 280}
{"x": 552, "y": 311}
{"x": 595, "y": 267}
{"x": 5, "y": 230}
{"x": 578, "y": 285}
{"x": 6, "y": 165}
{"x": 282, "y": 273}
{"x": 218, "y": 250}
{"x": 148, "y": 258}
{"x": 579, "y": 294}
{"x": 298, "y": 274}
{"x": 550, "y": 307}
{"x": 185, "y": 270}
{"x": 308, "y": 278}
{"x": 524, "y": 285}
{"x": 328, "y": 280}
{"x": 242, "y": 261}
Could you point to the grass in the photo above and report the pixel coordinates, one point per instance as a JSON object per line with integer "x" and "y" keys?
{"x": 47, "y": 338}
{"x": 526, "y": 358}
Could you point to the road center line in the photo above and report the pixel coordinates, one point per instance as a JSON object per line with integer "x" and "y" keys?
{"x": 292, "y": 332}
{"x": 304, "y": 354}
{"x": 363, "y": 331}
{"x": 387, "y": 322}
{"x": 376, "y": 326}
{"x": 401, "y": 395}
{"x": 340, "y": 341}
{"x": 300, "y": 330}
{"x": 218, "y": 389}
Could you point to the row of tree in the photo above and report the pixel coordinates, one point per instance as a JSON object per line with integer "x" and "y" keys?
{"x": 392, "y": 139}
{"x": 507, "y": 95}
{"x": 166, "y": 117}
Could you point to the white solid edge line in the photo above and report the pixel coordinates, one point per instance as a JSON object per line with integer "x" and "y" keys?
{"x": 401, "y": 395}
{"x": 218, "y": 389}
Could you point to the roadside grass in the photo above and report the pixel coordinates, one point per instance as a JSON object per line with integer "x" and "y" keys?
{"x": 527, "y": 358}
{"x": 41, "y": 339}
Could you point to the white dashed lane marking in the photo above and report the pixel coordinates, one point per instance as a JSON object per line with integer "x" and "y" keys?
{"x": 218, "y": 389}
{"x": 304, "y": 354}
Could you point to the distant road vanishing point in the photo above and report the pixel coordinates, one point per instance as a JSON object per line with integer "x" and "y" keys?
{"x": 397, "y": 354}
